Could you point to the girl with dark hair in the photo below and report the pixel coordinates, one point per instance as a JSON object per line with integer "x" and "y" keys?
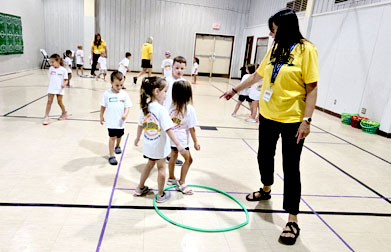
{"x": 98, "y": 46}
{"x": 156, "y": 125}
{"x": 287, "y": 101}
{"x": 184, "y": 117}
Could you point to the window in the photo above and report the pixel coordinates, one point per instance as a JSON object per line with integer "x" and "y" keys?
{"x": 297, "y": 5}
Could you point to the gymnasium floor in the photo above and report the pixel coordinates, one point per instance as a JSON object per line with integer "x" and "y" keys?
{"x": 59, "y": 193}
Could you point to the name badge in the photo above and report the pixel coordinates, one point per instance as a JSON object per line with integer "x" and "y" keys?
{"x": 267, "y": 95}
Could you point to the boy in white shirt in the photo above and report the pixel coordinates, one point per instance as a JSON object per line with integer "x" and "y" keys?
{"x": 167, "y": 65}
{"x": 68, "y": 65}
{"x": 102, "y": 61}
{"x": 123, "y": 65}
{"x": 79, "y": 59}
{"x": 117, "y": 103}
{"x": 178, "y": 69}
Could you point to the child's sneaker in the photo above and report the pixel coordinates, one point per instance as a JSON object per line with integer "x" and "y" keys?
{"x": 141, "y": 192}
{"x": 233, "y": 115}
{"x": 45, "y": 121}
{"x": 113, "y": 161}
{"x": 117, "y": 150}
{"x": 166, "y": 196}
{"x": 172, "y": 182}
{"x": 63, "y": 117}
{"x": 134, "y": 80}
{"x": 251, "y": 120}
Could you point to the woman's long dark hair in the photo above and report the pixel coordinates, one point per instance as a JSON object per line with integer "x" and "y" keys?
{"x": 287, "y": 34}
{"x": 96, "y": 41}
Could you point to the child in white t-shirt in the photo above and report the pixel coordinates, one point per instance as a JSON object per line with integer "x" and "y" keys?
{"x": 194, "y": 69}
{"x": 102, "y": 61}
{"x": 155, "y": 124}
{"x": 116, "y": 103}
{"x": 167, "y": 65}
{"x": 68, "y": 65}
{"x": 254, "y": 95}
{"x": 124, "y": 65}
{"x": 183, "y": 115}
{"x": 58, "y": 79}
{"x": 244, "y": 94}
{"x": 79, "y": 59}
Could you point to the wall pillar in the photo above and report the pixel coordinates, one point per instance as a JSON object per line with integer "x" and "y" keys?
{"x": 89, "y": 30}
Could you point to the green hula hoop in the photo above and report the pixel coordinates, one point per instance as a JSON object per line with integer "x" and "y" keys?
{"x": 203, "y": 229}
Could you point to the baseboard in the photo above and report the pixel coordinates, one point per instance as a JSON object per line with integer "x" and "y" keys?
{"x": 379, "y": 132}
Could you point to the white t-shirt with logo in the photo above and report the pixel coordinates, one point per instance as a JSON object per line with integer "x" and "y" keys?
{"x": 124, "y": 63}
{"x": 67, "y": 62}
{"x": 79, "y": 57}
{"x": 102, "y": 63}
{"x": 246, "y": 91}
{"x": 182, "y": 124}
{"x": 156, "y": 143}
{"x": 255, "y": 90}
{"x": 115, "y": 104}
{"x": 57, "y": 76}
{"x": 167, "y": 66}
{"x": 170, "y": 81}
{"x": 194, "y": 68}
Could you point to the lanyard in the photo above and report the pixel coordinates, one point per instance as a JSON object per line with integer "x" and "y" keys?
{"x": 277, "y": 67}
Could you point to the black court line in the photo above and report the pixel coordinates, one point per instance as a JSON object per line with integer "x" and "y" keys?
{"x": 257, "y": 210}
{"x": 358, "y": 147}
{"x": 15, "y": 77}
{"x": 350, "y": 176}
{"x": 24, "y": 105}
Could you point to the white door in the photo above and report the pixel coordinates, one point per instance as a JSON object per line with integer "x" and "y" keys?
{"x": 214, "y": 53}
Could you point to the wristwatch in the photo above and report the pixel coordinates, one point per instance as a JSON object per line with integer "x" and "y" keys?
{"x": 307, "y": 120}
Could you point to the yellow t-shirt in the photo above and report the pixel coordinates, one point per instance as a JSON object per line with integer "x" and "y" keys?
{"x": 100, "y": 48}
{"x": 146, "y": 50}
{"x": 287, "y": 103}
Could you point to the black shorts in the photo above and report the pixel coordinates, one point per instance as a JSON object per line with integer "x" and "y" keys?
{"x": 152, "y": 159}
{"x": 146, "y": 63}
{"x": 79, "y": 65}
{"x": 243, "y": 98}
{"x": 116, "y": 132}
{"x": 176, "y": 149}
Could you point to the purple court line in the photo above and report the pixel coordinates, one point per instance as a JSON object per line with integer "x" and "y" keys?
{"x": 111, "y": 198}
{"x": 277, "y": 194}
{"x": 327, "y": 225}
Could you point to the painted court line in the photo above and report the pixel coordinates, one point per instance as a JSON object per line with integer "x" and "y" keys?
{"x": 111, "y": 197}
{"x": 317, "y": 215}
{"x": 25, "y": 105}
{"x": 275, "y": 194}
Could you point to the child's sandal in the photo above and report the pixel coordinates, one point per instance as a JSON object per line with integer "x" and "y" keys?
{"x": 184, "y": 189}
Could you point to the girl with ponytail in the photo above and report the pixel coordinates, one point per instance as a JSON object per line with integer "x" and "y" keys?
{"x": 155, "y": 124}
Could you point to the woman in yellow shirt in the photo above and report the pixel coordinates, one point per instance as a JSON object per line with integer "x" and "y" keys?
{"x": 286, "y": 104}
{"x": 98, "y": 46}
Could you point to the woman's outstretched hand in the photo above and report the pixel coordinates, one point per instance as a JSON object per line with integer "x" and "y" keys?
{"x": 228, "y": 95}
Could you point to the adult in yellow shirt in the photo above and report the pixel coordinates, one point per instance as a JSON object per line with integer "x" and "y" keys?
{"x": 286, "y": 104}
{"x": 98, "y": 46}
{"x": 146, "y": 58}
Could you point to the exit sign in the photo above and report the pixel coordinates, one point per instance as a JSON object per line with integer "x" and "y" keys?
{"x": 216, "y": 26}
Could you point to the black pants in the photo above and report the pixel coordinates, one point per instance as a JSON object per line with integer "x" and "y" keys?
{"x": 95, "y": 58}
{"x": 269, "y": 132}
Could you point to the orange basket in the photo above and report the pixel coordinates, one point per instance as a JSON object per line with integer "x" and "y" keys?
{"x": 355, "y": 121}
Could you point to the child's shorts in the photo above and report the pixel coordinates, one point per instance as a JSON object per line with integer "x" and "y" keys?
{"x": 243, "y": 98}
{"x": 176, "y": 149}
{"x": 152, "y": 159}
{"x": 79, "y": 65}
{"x": 116, "y": 132}
{"x": 103, "y": 71}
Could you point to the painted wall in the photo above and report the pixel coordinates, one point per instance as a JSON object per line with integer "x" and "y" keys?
{"x": 322, "y": 6}
{"x": 354, "y": 56}
{"x": 125, "y": 25}
{"x": 64, "y": 25}
{"x": 31, "y": 13}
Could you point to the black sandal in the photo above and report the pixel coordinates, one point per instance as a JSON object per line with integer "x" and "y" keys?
{"x": 290, "y": 240}
{"x": 264, "y": 195}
